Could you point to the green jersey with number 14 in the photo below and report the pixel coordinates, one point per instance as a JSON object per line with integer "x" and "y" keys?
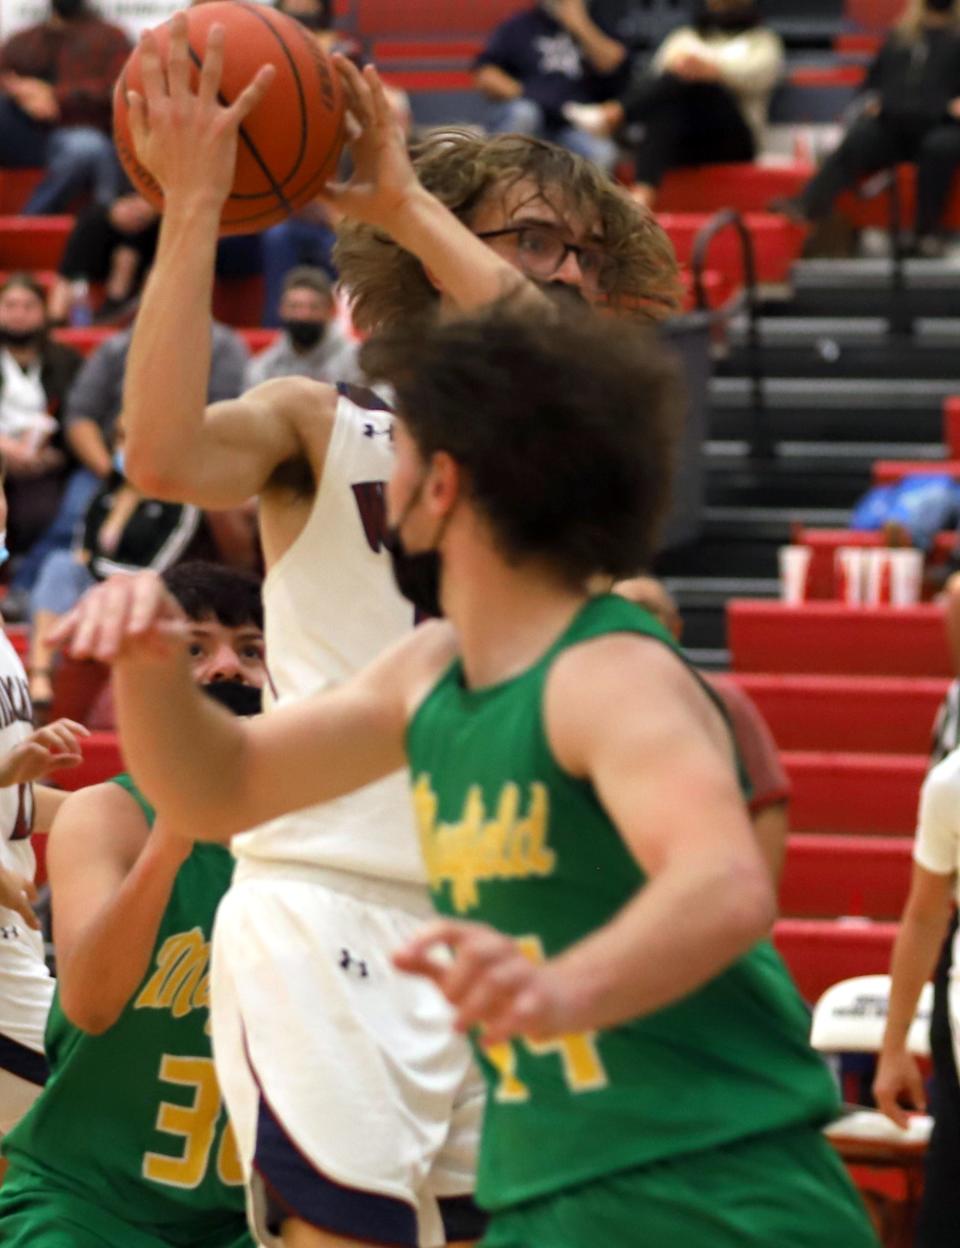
{"x": 132, "y": 1120}
{"x": 511, "y": 839}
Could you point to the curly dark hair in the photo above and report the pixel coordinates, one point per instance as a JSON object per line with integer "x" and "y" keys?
{"x": 564, "y": 423}
{"x": 388, "y": 285}
{"x": 211, "y": 591}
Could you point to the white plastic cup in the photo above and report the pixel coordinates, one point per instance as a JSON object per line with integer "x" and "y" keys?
{"x": 878, "y": 576}
{"x": 906, "y": 577}
{"x": 794, "y": 570}
{"x": 851, "y": 566}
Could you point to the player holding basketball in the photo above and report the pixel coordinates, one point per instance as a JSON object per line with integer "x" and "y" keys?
{"x": 356, "y": 1108}
{"x": 574, "y": 784}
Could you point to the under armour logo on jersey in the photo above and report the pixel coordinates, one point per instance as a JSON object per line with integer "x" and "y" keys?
{"x": 9, "y": 931}
{"x": 370, "y": 430}
{"x": 357, "y": 966}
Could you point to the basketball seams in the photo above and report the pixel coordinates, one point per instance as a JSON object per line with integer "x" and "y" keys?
{"x": 246, "y": 211}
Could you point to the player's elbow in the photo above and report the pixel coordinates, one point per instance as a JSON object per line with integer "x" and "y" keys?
{"x": 151, "y": 475}
{"x": 85, "y": 1012}
{"x": 751, "y": 901}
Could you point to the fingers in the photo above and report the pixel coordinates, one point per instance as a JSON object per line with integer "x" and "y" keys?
{"x": 252, "y": 94}
{"x": 178, "y": 59}
{"x": 137, "y": 118}
{"x": 152, "y": 71}
{"x": 211, "y": 73}
{"x": 383, "y": 114}
{"x": 356, "y": 90}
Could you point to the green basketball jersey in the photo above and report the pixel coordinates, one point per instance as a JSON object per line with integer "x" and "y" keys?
{"x": 133, "y": 1118}
{"x": 511, "y": 839}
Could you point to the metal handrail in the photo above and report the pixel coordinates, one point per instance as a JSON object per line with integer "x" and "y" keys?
{"x": 761, "y": 444}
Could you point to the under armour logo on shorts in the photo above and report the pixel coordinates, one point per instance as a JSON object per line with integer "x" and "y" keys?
{"x": 349, "y": 963}
{"x": 10, "y": 932}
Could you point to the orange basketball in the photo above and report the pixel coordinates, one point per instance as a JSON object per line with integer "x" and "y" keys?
{"x": 290, "y": 143}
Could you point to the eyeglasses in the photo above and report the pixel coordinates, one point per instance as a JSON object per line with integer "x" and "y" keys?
{"x": 540, "y": 252}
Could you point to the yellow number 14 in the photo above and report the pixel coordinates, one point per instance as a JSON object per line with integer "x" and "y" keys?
{"x": 582, "y": 1068}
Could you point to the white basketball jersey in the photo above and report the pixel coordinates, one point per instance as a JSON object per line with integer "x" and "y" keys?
{"x": 331, "y": 606}
{"x": 26, "y": 987}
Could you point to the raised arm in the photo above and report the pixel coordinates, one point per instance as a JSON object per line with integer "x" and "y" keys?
{"x": 205, "y": 770}
{"x": 111, "y": 878}
{"x": 622, "y": 713}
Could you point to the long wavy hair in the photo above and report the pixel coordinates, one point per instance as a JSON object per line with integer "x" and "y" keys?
{"x": 911, "y": 22}
{"x": 387, "y": 285}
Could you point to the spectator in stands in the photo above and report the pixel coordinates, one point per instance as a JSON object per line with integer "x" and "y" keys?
{"x": 94, "y": 403}
{"x": 704, "y": 99}
{"x": 57, "y": 82}
{"x": 312, "y": 344}
{"x": 110, "y": 244}
{"x": 769, "y": 786}
{"x": 910, "y": 112}
{"x": 547, "y": 56}
{"x": 35, "y": 376}
{"x": 317, "y": 15}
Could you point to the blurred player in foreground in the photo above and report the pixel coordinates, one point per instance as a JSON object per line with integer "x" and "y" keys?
{"x": 649, "y": 1076}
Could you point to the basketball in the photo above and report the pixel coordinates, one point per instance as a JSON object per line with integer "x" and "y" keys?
{"x": 289, "y": 145}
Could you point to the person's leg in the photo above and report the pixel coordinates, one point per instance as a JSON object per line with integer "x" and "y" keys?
{"x": 61, "y": 583}
{"x": 603, "y": 152}
{"x": 79, "y": 490}
{"x": 870, "y": 144}
{"x": 714, "y": 130}
{"x": 937, "y": 162}
{"x": 78, "y": 158}
{"x": 23, "y": 142}
{"x": 520, "y": 116}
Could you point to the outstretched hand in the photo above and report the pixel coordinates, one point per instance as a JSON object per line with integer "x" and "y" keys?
{"x": 383, "y": 179}
{"x": 127, "y": 617}
{"x": 489, "y": 980}
{"x": 54, "y": 747}
{"x": 186, "y": 138}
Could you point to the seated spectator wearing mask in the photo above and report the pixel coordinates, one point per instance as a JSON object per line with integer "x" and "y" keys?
{"x": 543, "y": 58}
{"x": 312, "y": 344}
{"x": 36, "y": 374}
{"x": 769, "y": 786}
{"x": 704, "y": 100}
{"x": 57, "y": 81}
{"x": 911, "y": 112}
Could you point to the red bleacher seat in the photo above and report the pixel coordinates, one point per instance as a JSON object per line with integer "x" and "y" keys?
{"x": 825, "y": 876}
{"x": 376, "y": 18}
{"x": 33, "y": 242}
{"x": 87, "y": 340}
{"x": 827, "y": 75}
{"x": 101, "y": 760}
{"x": 830, "y": 637}
{"x": 889, "y": 471}
{"x": 777, "y": 243}
{"x": 864, "y": 793}
{"x": 745, "y": 187}
{"x": 951, "y": 427}
{"x": 860, "y": 42}
{"x": 19, "y": 637}
{"x": 16, "y": 187}
{"x": 386, "y": 52}
{"x": 824, "y": 544}
{"x": 821, "y": 952}
{"x": 873, "y": 714}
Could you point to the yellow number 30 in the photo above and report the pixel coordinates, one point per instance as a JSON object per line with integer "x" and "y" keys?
{"x": 582, "y": 1068}
{"x": 196, "y": 1124}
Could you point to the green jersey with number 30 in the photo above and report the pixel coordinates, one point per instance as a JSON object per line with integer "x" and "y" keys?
{"x": 132, "y": 1120}
{"x": 511, "y": 839}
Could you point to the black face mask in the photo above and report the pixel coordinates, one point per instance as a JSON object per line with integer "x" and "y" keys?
{"x": 940, "y": 6}
{"x": 67, "y": 9}
{"x": 21, "y": 337}
{"x": 417, "y": 574}
{"x": 305, "y": 334}
{"x": 237, "y": 697}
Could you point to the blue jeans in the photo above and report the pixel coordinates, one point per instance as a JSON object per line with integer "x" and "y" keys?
{"x": 61, "y": 584}
{"x": 523, "y": 116}
{"x": 287, "y": 245}
{"x": 59, "y": 535}
{"x": 77, "y": 158}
